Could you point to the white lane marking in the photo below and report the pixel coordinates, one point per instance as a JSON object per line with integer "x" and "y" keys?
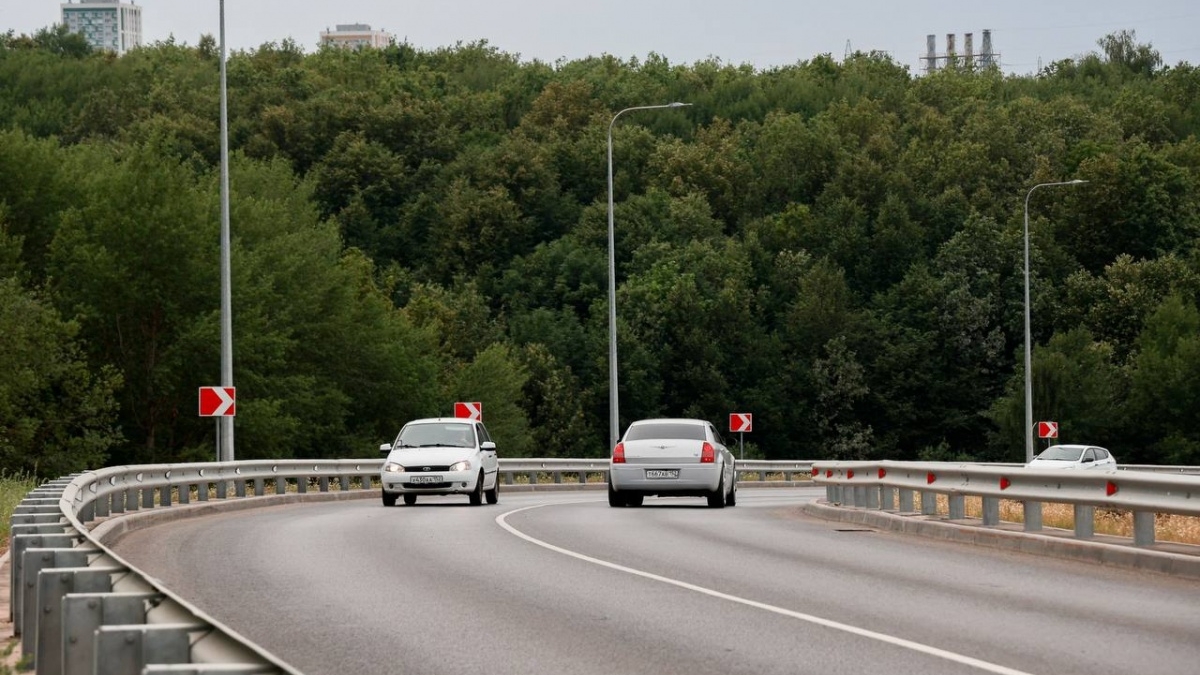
{"x": 502, "y": 521}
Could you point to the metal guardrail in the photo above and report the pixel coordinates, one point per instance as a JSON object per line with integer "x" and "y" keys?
{"x": 80, "y": 609}
{"x": 891, "y": 486}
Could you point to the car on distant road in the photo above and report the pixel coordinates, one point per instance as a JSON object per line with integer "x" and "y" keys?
{"x": 441, "y": 456}
{"x": 1073, "y": 457}
{"x": 672, "y": 457}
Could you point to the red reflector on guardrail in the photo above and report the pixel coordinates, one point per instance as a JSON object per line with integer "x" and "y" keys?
{"x": 1110, "y": 489}
{"x": 1004, "y": 483}
{"x": 930, "y": 477}
{"x": 816, "y": 472}
{"x": 882, "y": 473}
{"x": 829, "y": 473}
{"x": 850, "y": 473}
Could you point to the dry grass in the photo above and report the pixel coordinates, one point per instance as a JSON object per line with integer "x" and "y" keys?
{"x": 1167, "y": 528}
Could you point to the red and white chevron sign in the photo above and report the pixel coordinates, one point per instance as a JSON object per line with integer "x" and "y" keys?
{"x": 1047, "y": 429}
{"x": 741, "y": 422}
{"x": 218, "y": 401}
{"x": 472, "y": 411}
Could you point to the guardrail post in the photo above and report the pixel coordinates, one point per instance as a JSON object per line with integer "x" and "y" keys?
{"x": 129, "y": 649}
{"x": 344, "y": 483}
{"x": 1085, "y": 521}
{"x": 323, "y": 482}
{"x": 1143, "y": 528}
{"x": 100, "y": 506}
{"x": 533, "y": 477}
{"x": 33, "y": 561}
{"x": 991, "y": 511}
{"x": 958, "y": 507}
{"x": 906, "y": 500}
{"x": 148, "y": 498}
{"x": 118, "y": 503}
{"x": 85, "y": 613}
{"x": 131, "y": 499}
{"x": 557, "y": 477}
{"x": 239, "y": 488}
{"x": 46, "y": 639}
{"x": 833, "y": 494}
{"x": 887, "y": 498}
{"x": 185, "y": 493}
{"x": 18, "y": 544}
{"x": 1033, "y": 516}
{"x": 928, "y": 503}
{"x": 871, "y": 492}
{"x": 302, "y": 484}
{"x": 222, "y": 488}
{"x": 280, "y": 485}
{"x": 260, "y": 487}
{"x": 164, "y": 495}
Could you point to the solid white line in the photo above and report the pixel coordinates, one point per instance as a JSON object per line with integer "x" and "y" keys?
{"x": 502, "y": 521}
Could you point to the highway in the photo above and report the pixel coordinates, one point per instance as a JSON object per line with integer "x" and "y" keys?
{"x": 561, "y": 583}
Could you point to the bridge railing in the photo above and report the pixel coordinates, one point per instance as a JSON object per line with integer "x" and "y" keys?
{"x": 891, "y": 486}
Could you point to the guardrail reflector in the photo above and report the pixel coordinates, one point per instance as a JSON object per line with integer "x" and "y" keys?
{"x": 930, "y": 477}
{"x": 882, "y": 472}
{"x": 816, "y": 472}
{"x": 850, "y": 473}
{"x": 1110, "y": 489}
{"x": 1004, "y": 483}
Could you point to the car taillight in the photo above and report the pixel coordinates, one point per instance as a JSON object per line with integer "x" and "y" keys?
{"x": 707, "y": 454}
{"x": 619, "y": 454}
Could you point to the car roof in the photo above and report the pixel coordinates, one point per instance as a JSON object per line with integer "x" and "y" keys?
{"x": 675, "y": 420}
{"x": 1075, "y": 446}
{"x": 440, "y": 420}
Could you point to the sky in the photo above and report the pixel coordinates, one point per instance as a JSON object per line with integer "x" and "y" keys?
{"x": 762, "y": 33}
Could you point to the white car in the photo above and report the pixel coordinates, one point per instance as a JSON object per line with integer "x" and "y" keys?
{"x": 672, "y": 457}
{"x": 1073, "y": 457}
{"x": 441, "y": 456}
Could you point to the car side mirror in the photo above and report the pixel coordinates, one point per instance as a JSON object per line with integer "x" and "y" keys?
{"x": 487, "y": 446}
{"x": 385, "y": 448}
{"x": 1088, "y": 460}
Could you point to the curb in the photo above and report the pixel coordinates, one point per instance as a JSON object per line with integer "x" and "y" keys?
{"x": 1049, "y": 544}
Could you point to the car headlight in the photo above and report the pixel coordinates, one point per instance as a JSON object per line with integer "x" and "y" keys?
{"x": 392, "y": 467}
{"x": 464, "y": 465}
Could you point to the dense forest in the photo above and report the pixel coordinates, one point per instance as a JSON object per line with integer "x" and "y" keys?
{"x": 834, "y": 246}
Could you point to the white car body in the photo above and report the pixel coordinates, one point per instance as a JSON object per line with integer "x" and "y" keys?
{"x": 1073, "y": 457}
{"x": 441, "y": 456}
{"x": 672, "y": 457}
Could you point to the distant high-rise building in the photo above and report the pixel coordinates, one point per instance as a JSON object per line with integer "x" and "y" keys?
{"x": 106, "y": 24}
{"x": 355, "y": 36}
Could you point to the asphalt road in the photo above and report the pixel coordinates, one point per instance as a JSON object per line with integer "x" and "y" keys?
{"x": 561, "y": 583}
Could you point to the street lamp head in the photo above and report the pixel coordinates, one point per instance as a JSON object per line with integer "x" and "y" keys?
{"x": 1077, "y": 182}
{"x": 677, "y": 104}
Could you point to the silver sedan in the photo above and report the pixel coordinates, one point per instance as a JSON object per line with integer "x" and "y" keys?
{"x": 672, "y": 457}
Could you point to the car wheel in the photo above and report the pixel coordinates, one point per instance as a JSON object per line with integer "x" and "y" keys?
{"x": 615, "y": 500}
{"x": 716, "y": 500}
{"x": 732, "y": 500}
{"x": 493, "y": 495}
{"x": 409, "y": 500}
{"x": 477, "y": 494}
{"x": 634, "y": 500}
{"x": 388, "y": 499}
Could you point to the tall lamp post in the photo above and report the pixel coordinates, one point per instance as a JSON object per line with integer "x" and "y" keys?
{"x": 1028, "y": 341}
{"x": 613, "y": 423}
{"x": 225, "y": 443}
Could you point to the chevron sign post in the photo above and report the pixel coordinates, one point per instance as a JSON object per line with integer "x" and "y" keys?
{"x": 218, "y": 401}
{"x": 741, "y": 423}
{"x": 472, "y": 410}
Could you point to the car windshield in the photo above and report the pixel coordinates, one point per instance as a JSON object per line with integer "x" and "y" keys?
{"x": 689, "y": 432}
{"x": 447, "y": 434}
{"x": 1059, "y": 452}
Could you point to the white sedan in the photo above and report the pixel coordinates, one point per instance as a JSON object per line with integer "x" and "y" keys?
{"x": 672, "y": 457}
{"x": 441, "y": 456}
{"x": 1073, "y": 457}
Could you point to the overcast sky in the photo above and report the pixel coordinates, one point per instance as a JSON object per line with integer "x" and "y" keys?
{"x": 764, "y": 33}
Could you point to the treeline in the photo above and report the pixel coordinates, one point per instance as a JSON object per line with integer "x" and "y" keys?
{"x": 836, "y": 247}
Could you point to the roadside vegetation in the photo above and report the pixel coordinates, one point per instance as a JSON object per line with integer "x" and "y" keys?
{"x": 835, "y": 246}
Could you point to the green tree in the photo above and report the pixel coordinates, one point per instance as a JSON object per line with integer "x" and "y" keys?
{"x": 57, "y": 414}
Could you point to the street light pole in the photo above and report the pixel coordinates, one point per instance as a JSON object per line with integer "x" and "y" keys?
{"x": 226, "y": 421}
{"x": 613, "y": 423}
{"x": 1028, "y": 340}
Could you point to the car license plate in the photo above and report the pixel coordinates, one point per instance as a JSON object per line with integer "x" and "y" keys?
{"x": 417, "y": 480}
{"x": 662, "y": 473}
